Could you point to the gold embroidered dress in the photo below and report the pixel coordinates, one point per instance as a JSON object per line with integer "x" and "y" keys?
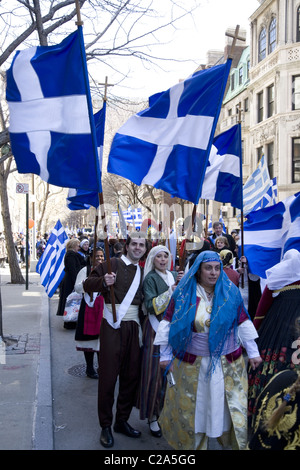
{"x": 201, "y": 406}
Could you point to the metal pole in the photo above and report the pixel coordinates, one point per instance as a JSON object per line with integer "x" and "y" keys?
{"x": 27, "y": 237}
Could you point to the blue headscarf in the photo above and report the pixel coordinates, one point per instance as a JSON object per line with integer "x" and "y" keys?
{"x": 227, "y": 304}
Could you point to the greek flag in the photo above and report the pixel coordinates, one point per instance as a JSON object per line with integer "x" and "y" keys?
{"x": 168, "y": 144}
{"x": 269, "y": 198}
{"x": 133, "y": 216}
{"x": 51, "y": 264}
{"x": 79, "y": 199}
{"x": 50, "y": 129}
{"x": 221, "y": 220}
{"x": 223, "y": 175}
{"x": 270, "y": 232}
{"x": 256, "y": 186}
{"x": 123, "y": 225}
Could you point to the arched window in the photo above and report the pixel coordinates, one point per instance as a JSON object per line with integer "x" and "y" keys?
{"x": 298, "y": 25}
{"x": 272, "y": 35}
{"x": 262, "y": 42}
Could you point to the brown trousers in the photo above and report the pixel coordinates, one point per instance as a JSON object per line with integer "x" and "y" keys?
{"x": 120, "y": 356}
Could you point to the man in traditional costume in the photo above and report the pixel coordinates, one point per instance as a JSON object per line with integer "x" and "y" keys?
{"x": 120, "y": 341}
{"x": 201, "y": 340}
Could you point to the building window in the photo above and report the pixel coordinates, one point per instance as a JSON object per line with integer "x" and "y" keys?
{"x": 270, "y": 150}
{"x": 246, "y": 105}
{"x": 240, "y": 75}
{"x": 262, "y": 43}
{"x": 232, "y": 81}
{"x": 270, "y": 100}
{"x": 248, "y": 68}
{"x": 229, "y": 112}
{"x": 260, "y": 106}
{"x": 298, "y": 25}
{"x": 259, "y": 151}
{"x": 296, "y": 92}
{"x": 272, "y": 35}
{"x": 296, "y": 160}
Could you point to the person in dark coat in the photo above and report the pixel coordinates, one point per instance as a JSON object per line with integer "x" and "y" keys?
{"x": 74, "y": 262}
{"x": 218, "y": 231}
{"x": 87, "y": 329}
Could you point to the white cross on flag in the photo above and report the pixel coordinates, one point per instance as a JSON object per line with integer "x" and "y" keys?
{"x": 168, "y": 144}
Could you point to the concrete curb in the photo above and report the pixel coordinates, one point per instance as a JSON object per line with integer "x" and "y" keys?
{"x": 42, "y": 433}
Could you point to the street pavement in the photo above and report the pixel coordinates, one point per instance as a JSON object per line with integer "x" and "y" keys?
{"x": 46, "y": 400}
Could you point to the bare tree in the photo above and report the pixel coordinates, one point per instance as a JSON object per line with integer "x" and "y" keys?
{"x": 112, "y": 29}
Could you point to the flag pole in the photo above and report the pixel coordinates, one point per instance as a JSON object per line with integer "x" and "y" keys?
{"x": 242, "y": 202}
{"x": 79, "y": 23}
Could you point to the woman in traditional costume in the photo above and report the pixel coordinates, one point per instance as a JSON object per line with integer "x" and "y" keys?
{"x": 201, "y": 338}
{"x": 89, "y": 317}
{"x": 159, "y": 283}
{"x": 276, "y": 314}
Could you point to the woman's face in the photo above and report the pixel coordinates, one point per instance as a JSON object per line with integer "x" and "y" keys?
{"x": 209, "y": 274}
{"x": 85, "y": 246}
{"x": 76, "y": 247}
{"x": 99, "y": 257}
{"x": 161, "y": 261}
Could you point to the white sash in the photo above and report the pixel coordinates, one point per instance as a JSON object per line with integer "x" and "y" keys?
{"x": 154, "y": 322}
{"x": 88, "y": 300}
{"x": 126, "y": 301}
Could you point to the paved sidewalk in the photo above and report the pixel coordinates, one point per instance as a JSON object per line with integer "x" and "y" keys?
{"x": 25, "y": 368}
{"x": 46, "y": 400}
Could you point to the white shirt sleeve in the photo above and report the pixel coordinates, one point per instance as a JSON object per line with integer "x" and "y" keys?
{"x": 81, "y": 276}
{"x": 162, "y": 339}
{"x": 247, "y": 334}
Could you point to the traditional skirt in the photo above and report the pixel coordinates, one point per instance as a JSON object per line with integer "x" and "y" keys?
{"x": 179, "y": 415}
{"x": 286, "y": 433}
{"x": 276, "y": 342}
{"x": 153, "y": 383}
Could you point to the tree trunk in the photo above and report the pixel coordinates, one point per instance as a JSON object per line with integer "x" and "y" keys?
{"x": 15, "y": 270}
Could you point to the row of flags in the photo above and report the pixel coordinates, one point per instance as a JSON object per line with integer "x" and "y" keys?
{"x": 170, "y": 145}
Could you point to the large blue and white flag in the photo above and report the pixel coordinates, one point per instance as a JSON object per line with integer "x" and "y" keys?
{"x": 270, "y": 232}
{"x": 269, "y": 198}
{"x": 168, "y": 144}
{"x": 223, "y": 175}
{"x": 50, "y": 129}
{"x": 79, "y": 199}
{"x": 51, "y": 264}
{"x": 256, "y": 186}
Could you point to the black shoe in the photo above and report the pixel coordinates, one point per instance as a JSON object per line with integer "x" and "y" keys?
{"x": 157, "y": 433}
{"x": 125, "y": 428}
{"x": 106, "y": 438}
{"x": 92, "y": 375}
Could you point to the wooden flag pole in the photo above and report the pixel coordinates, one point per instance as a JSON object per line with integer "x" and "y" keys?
{"x": 106, "y": 245}
{"x": 95, "y": 151}
{"x": 236, "y": 37}
{"x": 206, "y": 217}
{"x": 242, "y": 208}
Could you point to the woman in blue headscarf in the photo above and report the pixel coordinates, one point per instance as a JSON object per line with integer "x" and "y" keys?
{"x": 201, "y": 339}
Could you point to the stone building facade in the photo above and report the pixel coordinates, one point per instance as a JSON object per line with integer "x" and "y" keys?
{"x": 265, "y": 86}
